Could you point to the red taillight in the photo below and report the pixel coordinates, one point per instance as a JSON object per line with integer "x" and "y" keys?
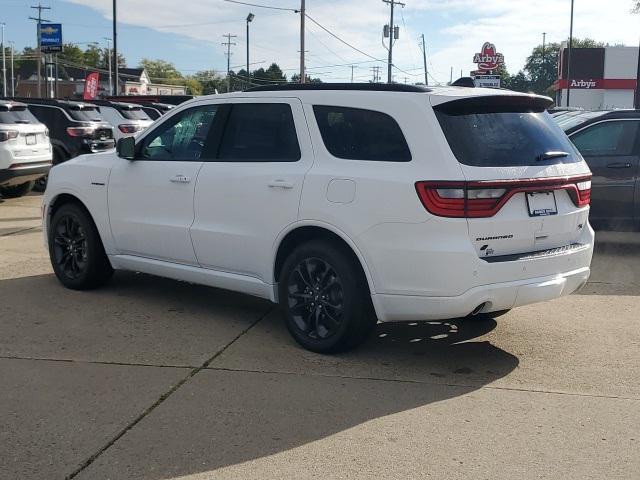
{"x": 80, "y": 131}
{"x": 128, "y": 128}
{"x": 484, "y": 198}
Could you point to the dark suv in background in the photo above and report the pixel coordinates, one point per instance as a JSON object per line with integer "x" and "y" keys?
{"x": 75, "y": 128}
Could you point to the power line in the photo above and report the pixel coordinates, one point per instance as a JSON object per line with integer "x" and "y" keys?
{"x": 262, "y": 6}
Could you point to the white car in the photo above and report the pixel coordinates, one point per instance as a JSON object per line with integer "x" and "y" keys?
{"x": 25, "y": 149}
{"x": 344, "y": 203}
{"x": 128, "y": 119}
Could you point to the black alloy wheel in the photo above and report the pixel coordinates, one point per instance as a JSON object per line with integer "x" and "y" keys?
{"x": 75, "y": 249}
{"x": 70, "y": 246}
{"x": 315, "y": 298}
{"x": 325, "y": 298}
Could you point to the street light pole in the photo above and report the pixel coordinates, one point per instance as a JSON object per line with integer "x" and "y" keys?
{"x": 4, "y": 65}
{"x": 569, "y": 56}
{"x": 115, "y": 50}
{"x": 109, "y": 62}
{"x": 302, "y": 15}
{"x": 13, "y": 79}
{"x": 250, "y": 18}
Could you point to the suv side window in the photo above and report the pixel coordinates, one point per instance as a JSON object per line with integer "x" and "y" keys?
{"x": 182, "y": 138}
{"x": 613, "y": 138}
{"x": 259, "y": 132}
{"x": 359, "y": 134}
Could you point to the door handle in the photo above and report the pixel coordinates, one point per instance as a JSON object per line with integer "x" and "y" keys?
{"x": 180, "y": 179}
{"x": 619, "y": 165}
{"x": 280, "y": 184}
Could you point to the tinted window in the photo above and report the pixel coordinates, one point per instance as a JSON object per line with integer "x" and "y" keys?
{"x": 134, "y": 114}
{"x": 260, "y": 132}
{"x": 503, "y": 138}
{"x": 181, "y": 138}
{"x": 358, "y": 134}
{"x": 567, "y": 123}
{"x": 85, "y": 114}
{"x": 16, "y": 115}
{"x": 607, "y": 138}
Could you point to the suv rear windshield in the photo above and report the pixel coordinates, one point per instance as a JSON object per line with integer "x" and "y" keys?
{"x": 504, "y": 136}
{"x": 17, "y": 114}
{"x": 85, "y": 114}
{"x": 134, "y": 113}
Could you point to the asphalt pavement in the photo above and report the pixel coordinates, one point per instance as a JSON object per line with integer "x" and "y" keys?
{"x": 150, "y": 378}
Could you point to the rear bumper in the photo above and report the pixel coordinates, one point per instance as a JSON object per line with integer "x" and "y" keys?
{"x": 495, "y": 297}
{"x": 23, "y": 173}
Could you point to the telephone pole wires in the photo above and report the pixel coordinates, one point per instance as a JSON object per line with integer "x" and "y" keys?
{"x": 228, "y": 44}
{"x": 39, "y": 19}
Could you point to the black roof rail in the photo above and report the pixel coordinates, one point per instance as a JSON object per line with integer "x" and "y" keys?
{"x": 48, "y": 101}
{"x": 111, "y": 103}
{"x": 371, "y": 87}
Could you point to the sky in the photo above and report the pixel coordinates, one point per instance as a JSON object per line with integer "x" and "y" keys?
{"x": 189, "y": 33}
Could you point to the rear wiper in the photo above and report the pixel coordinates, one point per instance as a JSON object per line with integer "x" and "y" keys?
{"x": 550, "y": 155}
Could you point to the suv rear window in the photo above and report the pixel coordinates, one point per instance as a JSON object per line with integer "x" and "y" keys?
{"x": 17, "y": 114}
{"x": 503, "y": 135}
{"x": 134, "y": 113}
{"x": 359, "y": 134}
{"x": 85, "y": 114}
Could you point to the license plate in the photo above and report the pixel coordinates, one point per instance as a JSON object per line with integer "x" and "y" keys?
{"x": 542, "y": 204}
{"x": 31, "y": 139}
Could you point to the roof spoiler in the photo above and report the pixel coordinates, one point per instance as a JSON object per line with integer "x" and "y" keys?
{"x": 464, "y": 82}
{"x": 495, "y": 104}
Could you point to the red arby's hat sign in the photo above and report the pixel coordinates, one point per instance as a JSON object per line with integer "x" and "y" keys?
{"x": 488, "y": 58}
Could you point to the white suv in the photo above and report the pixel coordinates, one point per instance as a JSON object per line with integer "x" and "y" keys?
{"x": 25, "y": 149}
{"x": 346, "y": 204}
{"x": 127, "y": 119}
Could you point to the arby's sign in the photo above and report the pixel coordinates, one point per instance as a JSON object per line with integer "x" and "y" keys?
{"x": 488, "y": 58}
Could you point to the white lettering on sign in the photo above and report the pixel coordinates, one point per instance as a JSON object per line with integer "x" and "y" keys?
{"x": 583, "y": 84}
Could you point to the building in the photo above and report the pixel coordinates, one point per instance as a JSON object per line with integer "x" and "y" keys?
{"x": 601, "y": 78}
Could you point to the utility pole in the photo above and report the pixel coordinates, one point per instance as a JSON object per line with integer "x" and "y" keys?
{"x": 569, "y": 56}
{"x": 109, "y": 64}
{"x": 39, "y": 19}
{"x": 376, "y": 74}
{"x": 451, "y": 76}
{"x": 352, "y": 67}
{"x": 392, "y": 34}
{"x": 13, "y": 84}
{"x": 302, "y": 15}
{"x": 424, "y": 59}
{"x": 228, "y": 44}
{"x": 544, "y": 38}
{"x": 636, "y": 103}
{"x": 4, "y": 65}
{"x": 116, "y": 80}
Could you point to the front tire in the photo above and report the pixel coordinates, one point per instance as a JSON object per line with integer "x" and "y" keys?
{"x": 16, "y": 191}
{"x": 324, "y": 297}
{"x": 75, "y": 249}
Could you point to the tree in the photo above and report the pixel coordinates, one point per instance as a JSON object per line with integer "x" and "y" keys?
{"x": 636, "y": 6}
{"x": 193, "y": 86}
{"x": 211, "y": 82}
{"x": 295, "y": 78}
{"x": 162, "y": 71}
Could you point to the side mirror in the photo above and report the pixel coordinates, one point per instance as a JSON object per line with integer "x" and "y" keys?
{"x": 126, "y": 148}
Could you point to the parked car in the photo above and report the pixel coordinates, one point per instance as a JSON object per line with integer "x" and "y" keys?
{"x": 156, "y": 110}
{"x": 126, "y": 118}
{"x": 610, "y": 143}
{"x": 25, "y": 149}
{"x": 74, "y": 127}
{"x": 344, "y": 203}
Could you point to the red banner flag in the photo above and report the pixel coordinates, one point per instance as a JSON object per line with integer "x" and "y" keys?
{"x": 91, "y": 86}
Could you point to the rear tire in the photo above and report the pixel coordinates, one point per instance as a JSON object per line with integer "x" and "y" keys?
{"x": 75, "y": 249}
{"x": 325, "y": 298}
{"x": 16, "y": 191}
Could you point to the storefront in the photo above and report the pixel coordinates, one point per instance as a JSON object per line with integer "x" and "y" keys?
{"x": 601, "y": 78}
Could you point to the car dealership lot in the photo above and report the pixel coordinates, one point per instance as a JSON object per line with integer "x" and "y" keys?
{"x": 152, "y": 378}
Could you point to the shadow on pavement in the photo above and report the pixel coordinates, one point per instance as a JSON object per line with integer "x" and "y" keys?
{"x": 222, "y": 417}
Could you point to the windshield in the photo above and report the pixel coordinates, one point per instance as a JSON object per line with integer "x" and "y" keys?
{"x": 16, "y": 115}
{"x": 505, "y": 138}
{"x": 134, "y": 114}
{"x": 85, "y": 114}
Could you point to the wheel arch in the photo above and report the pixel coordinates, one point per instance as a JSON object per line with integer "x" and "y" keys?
{"x": 300, "y": 233}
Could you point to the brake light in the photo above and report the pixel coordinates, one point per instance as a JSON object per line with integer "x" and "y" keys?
{"x": 482, "y": 199}
{"x": 129, "y": 128}
{"x": 80, "y": 131}
{"x": 6, "y": 135}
